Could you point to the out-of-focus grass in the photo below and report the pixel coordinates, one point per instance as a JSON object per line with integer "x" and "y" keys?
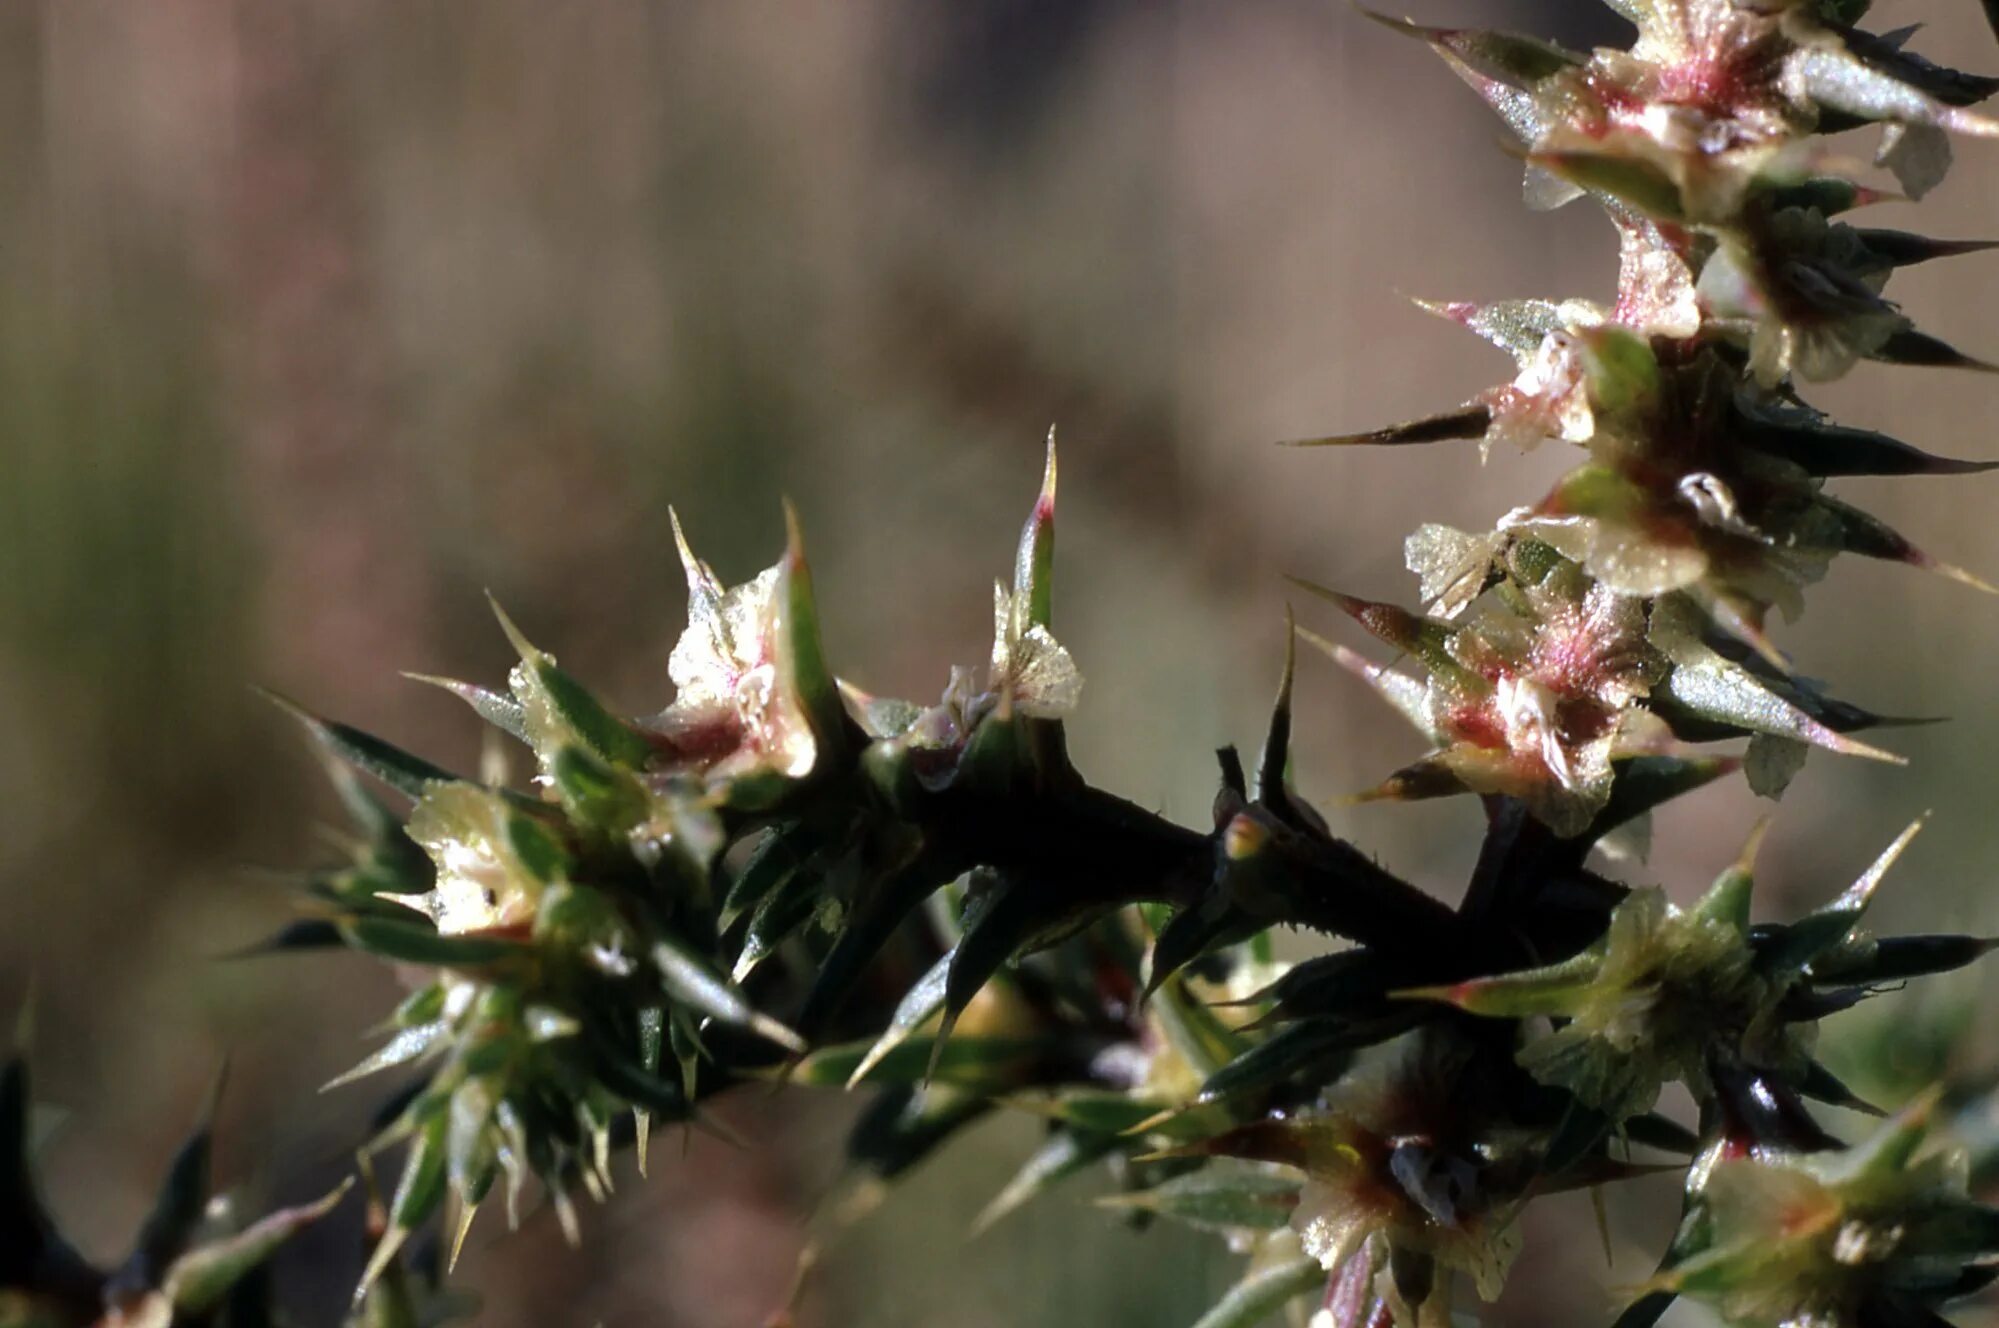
{"x": 322, "y": 318}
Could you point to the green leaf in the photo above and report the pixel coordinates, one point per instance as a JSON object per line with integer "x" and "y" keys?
{"x": 1828, "y": 194}
{"x": 1064, "y": 1153}
{"x": 690, "y": 979}
{"x": 1719, "y": 691}
{"x": 1521, "y": 62}
{"x": 408, "y": 775}
{"x": 1728, "y": 899}
{"x": 1463, "y": 423}
{"x": 557, "y": 710}
{"x": 890, "y": 894}
{"x": 1894, "y": 1145}
{"x": 470, "y": 1154}
{"x": 985, "y": 1063}
{"x": 1903, "y": 249}
{"x": 1646, "y": 782}
{"x": 32, "y": 1248}
{"x": 419, "y": 1193}
{"x": 1093, "y": 1110}
{"x": 1898, "y": 958}
{"x": 1407, "y": 696}
{"x": 1346, "y": 983}
{"x": 421, "y": 1186}
{"x": 1822, "y": 1084}
{"x": 1011, "y": 918}
{"x": 801, "y": 658}
{"x": 652, "y": 1037}
{"x": 599, "y": 794}
{"x": 1824, "y": 927}
{"x": 1872, "y": 538}
{"x": 1425, "y": 638}
{"x": 1218, "y": 1198}
{"x": 303, "y": 934}
{"x": 1661, "y": 1132}
{"x": 408, "y": 1044}
{"x": 1263, "y": 1293}
{"x": 1919, "y": 349}
{"x": 637, "y": 1082}
{"x": 1517, "y": 327}
{"x": 1838, "y": 79}
{"x": 1622, "y": 370}
{"x": 536, "y": 849}
{"x": 1273, "y": 765}
{"x": 777, "y": 857}
{"x": 1631, "y": 179}
{"x": 502, "y": 712}
{"x": 1311, "y": 1050}
{"x": 784, "y": 909}
{"x": 906, "y": 1125}
{"x": 420, "y": 943}
{"x": 198, "y": 1279}
{"x": 918, "y": 1006}
{"x": 1034, "y": 564}
{"x": 1538, "y": 991}
{"x": 1193, "y": 1030}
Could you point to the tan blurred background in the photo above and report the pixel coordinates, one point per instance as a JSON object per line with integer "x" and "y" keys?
{"x": 316, "y": 319}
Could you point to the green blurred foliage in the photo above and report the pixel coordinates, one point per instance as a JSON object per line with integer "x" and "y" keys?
{"x": 320, "y": 318}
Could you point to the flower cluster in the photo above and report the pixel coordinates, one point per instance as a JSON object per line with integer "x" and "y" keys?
{"x": 1879, "y": 1233}
{"x": 1701, "y": 506}
{"x": 1668, "y": 993}
{"x": 779, "y": 876}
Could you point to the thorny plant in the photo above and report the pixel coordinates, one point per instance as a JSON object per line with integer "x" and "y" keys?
{"x": 781, "y": 876}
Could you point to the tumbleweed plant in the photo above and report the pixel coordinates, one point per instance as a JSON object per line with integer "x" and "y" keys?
{"x": 782, "y": 877}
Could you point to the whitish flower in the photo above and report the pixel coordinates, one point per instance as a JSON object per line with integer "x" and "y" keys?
{"x": 1877, "y": 1233}
{"x": 481, "y": 884}
{"x": 1400, "y": 1168}
{"x": 732, "y": 713}
{"x": 1029, "y": 664}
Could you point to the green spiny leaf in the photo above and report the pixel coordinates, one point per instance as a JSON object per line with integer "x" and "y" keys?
{"x": 1921, "y": 350}
{"x": 986, "y": 1064}
{"x": 597, "y": 793}
{"x": 1263, "y": 1293}
{"x": 786, "y": 908}
{"x": 197, "y": 1280}
{"x": 408, "y": 775}
{"x": 1034, "y": 565}
{"x": 693, "y": 981}
{"x": 502, "y": 712}
{"x": 408, "y": 1044}
{"x": 918, "y": 1006}
{"x": 776, "y": 858}
{"x": 558, "y": 711}
{"x": 1204, "y": 1041}
{"x": 1521, "y": 62}
{"x": 1313, "y": 1050}
{"x": 1463, "y": 423}
{"x": 1647, "y": 782}
{"x": 801, "y": 658}
{"x": 1898, "y": 958}
{"x": 1218, "y": 1198}
{"x": 1065, "y": 1153}
{"x": 419, "y": 943}
{"x": 1829, "y": 924}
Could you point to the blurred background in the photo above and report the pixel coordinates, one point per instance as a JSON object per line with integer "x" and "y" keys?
{"x": 321, "y": 318}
